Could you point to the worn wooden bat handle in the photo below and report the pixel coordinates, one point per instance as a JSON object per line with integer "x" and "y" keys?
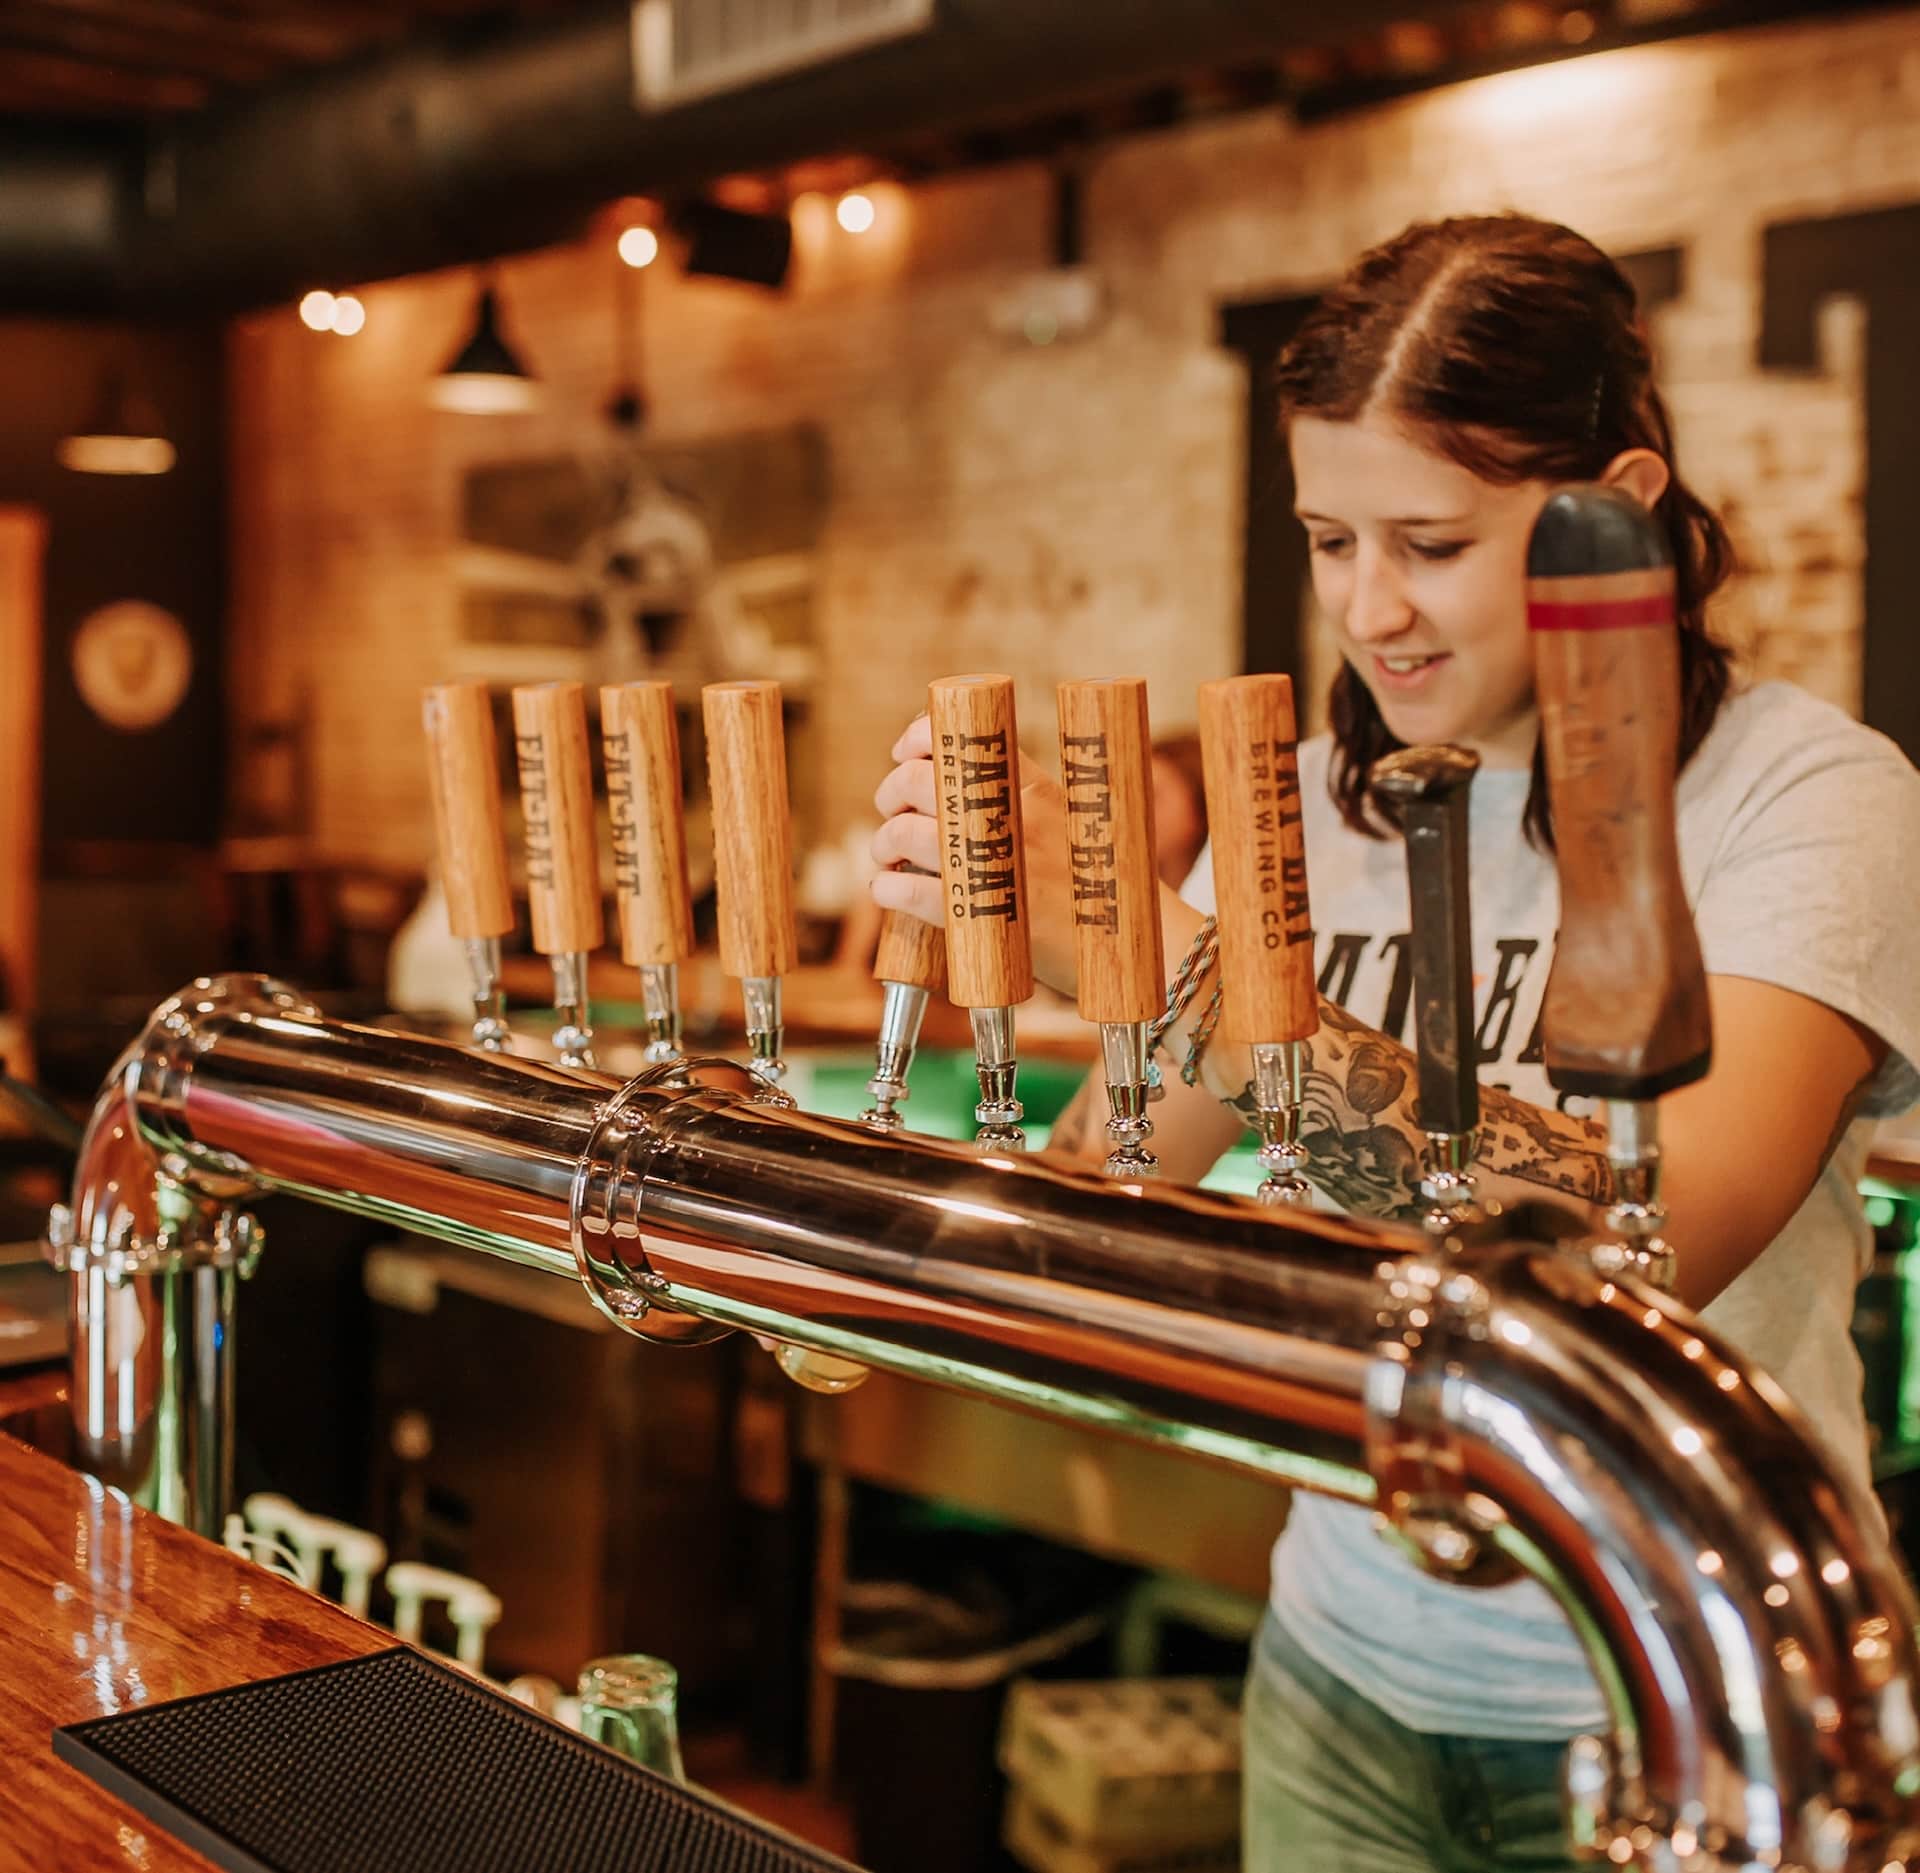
{"x": 1106, "y": 764}
{"x": 1427, "y": 789}
{"x": 976, "y": 780}
{"x": 752, "y": 829}
{"x": 640, "y": 739}
{"x": 1248, "y": 752}
{"x": 556, "y": 797}
{"x": 911, "y": 951}
{"x": 463, "y": 761}
{"x": 1625, "y": 1015}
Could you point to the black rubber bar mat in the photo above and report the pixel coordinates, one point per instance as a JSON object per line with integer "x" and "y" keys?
{"x": 396, "y": 1763}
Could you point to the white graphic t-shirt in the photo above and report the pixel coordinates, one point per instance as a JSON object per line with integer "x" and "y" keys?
{"x": 1800, "y": 846}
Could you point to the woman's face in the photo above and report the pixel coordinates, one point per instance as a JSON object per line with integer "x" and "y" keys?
{"x": 1421, "y": 568}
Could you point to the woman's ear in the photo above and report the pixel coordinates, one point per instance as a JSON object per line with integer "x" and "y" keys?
{"x": 1641, "y": 473}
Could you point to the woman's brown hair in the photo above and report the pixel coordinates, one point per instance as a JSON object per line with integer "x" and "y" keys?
{"x": 1516, "y": 348}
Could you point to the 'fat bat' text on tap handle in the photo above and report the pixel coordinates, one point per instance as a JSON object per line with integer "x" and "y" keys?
{"x": 1106, "y": 766}
{"x": 983, "y": 879}
{"x": 563, "y": 872}
{"x": 1425, "y": 790}
{"x": 640, "y": 738}
{"x": 910, "y": 965}
{"x": 752, "y": 855}
{"x": 463, "y": 763}
{"x": 1269, "y": 1000}
{"x": 1625, "y": 1017}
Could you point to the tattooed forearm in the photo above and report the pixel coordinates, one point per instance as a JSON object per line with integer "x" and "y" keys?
{"x": 1552, "y": 1149}
{"x": 1360, "y": 1121}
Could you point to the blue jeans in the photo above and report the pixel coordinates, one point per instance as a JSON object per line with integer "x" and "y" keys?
{"x": 1332, "y": 1784}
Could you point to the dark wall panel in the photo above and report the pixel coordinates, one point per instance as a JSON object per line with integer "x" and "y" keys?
{"x": 156, "y": 538}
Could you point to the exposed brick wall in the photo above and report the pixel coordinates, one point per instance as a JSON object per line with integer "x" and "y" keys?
{"x": 1075, "y": 510}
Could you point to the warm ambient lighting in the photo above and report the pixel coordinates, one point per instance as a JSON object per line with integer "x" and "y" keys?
{"x": 485, "y": 377}
{"x": 639, "y": 247}
{"x": 855, "y": 212}
{"x": 123, "y": 436}
{"x": 322, "y": 311}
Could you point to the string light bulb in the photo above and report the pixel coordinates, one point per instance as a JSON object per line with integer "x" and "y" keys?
{"x": 854, "y": 211}
{"x": 349, "y": 315}
{"x": 316, "y": 310}
{"x": 639, "y": 247}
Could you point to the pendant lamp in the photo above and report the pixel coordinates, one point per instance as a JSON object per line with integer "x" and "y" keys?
{"x": 485, "y": 377}
{"x": 122, "y": 436}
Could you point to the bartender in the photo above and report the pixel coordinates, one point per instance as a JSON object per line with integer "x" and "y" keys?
{"x": 1432, "y": 403}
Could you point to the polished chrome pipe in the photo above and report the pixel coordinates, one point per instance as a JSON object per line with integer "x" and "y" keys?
{"x": 1746, "y": 1621}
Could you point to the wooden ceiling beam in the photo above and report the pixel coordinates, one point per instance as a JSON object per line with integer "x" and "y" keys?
{"x": 127, "y": 48}
{"x": 308, "y": 35}
{"x": 46, "y": 85}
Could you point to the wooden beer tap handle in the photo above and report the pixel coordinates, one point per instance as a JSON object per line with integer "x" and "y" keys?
{"x": 1625, "y": 1014}
{"x": 1427, "y": 788}
{"x": 640, "y": 739}
{"x": 1106, "y": 764}
{"x": 752, "y": 832}
{"x": 976, "y": 784}
{"x": 556, "y": 795}
{"x": 911, "y": 952}
{"x": 463, "y": 761}
{"x": 1248, "y": 751}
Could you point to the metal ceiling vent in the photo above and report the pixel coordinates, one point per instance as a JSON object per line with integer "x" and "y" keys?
{"x": 687, "y": 49}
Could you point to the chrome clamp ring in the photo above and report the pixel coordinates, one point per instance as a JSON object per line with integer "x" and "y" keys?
{"x": 1428, "y": 1311}
{"x": 230, "y": 1240}
{"x": 603, "y": 1212}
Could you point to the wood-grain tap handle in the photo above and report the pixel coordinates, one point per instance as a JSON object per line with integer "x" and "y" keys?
{"x": 752, "y": 834}
{"x": 1426, "y": 790}
{"x": 911, "y": 951}
{"x": 464, "y": 764}
{"x": 1625, "y": 1015}
{"x": 640, "y": 739}
{"x": 983, "y": 857}
{"x": 1106, "y": 766}
{"x": 1249, "y": 754}
{"x": 556, "y": 797}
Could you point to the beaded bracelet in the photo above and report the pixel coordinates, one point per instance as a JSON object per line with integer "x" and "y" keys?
{"x": 1200, "y": 957}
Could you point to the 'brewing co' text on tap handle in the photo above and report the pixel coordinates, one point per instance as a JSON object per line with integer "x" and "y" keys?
{"x": 1268, "y": 996}
{"x": 983, "y": 878}
{"x": 563, "y": 871}
{"x": 1626, "y": 1017}
{"x": 752, "y": 855}
{"x": 910, "y": 965}
{"x": 1106, "y": 765}
{"x": 463, "y": 761}
{"x": 1425, "y": 790}
{"x": 640, "y": 738}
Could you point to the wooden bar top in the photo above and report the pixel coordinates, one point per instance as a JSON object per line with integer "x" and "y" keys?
{"x": 103, "y": 1608}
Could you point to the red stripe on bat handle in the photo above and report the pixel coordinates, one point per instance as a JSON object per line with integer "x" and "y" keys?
{"x": 1609, "y": 614}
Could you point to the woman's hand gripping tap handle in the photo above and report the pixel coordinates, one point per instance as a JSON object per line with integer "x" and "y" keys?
{"x": 752, "y": 855}
{"x": 983, "y": 879}
{"x": 563, "y": 872}
{"x": 1626, "y": 1015}
{"x": 640, "y": 738}
{"x": 1268, "y": 996}
{"x": 1106, "y": 765}
{"x": 463, "y": 764}
{"x": 1425, "y": 790}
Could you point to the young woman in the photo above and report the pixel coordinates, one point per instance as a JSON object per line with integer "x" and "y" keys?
{"x": 1432, "y": 402}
